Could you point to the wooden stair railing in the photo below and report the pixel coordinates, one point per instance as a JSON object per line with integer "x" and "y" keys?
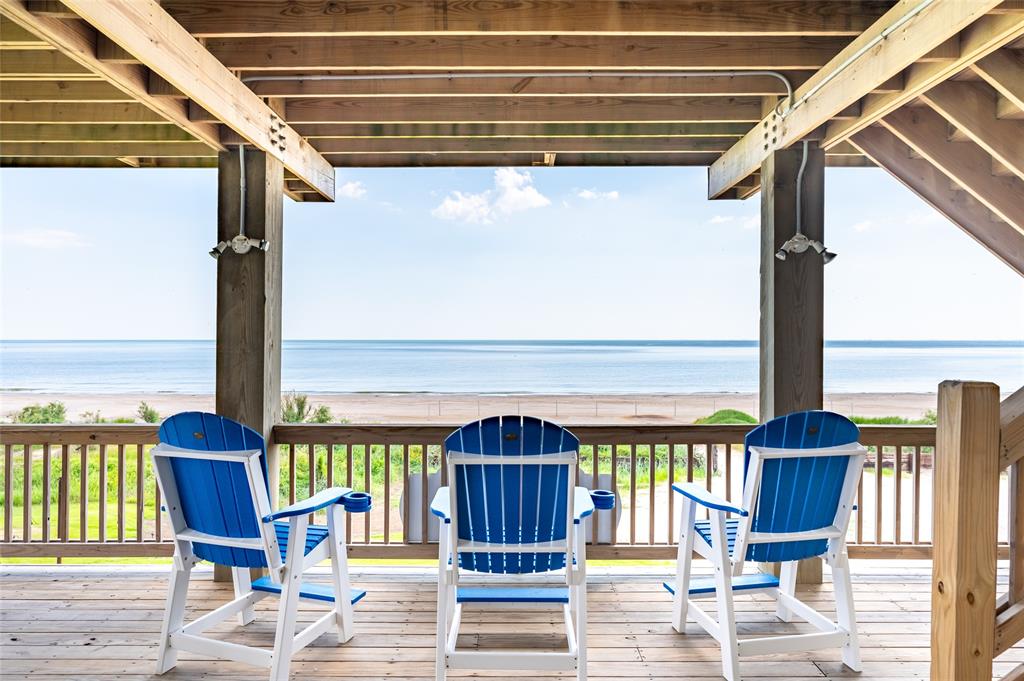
{"x": 976, "y": 439}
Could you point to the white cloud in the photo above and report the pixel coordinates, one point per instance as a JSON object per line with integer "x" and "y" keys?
{"x": 721, "y": 219}
{"x": 352, "y": 190}
{"x": 46, "y": 238}
{"x": 473, "y": 208}
{"x": 864, "y": 225}
{"x": 513, "y": 192}
{"x": 592, "y": 194}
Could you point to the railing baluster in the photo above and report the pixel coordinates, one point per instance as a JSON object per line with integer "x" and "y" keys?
{"x": 291, "y": 473}
{"x": 159, "y": 527}
{"x": 897, "y": 476}
{"x": 424, "y": 501}
{"x": 366, "y": 488}
{"x": 632, "y": 494}
{"x": 728, "y": 472}
{"x": 917, "y": 495}
{"x": 405, "y": 493}
{"x": 120, "y": 493}
{"x": 140, "y": 489}
{"x": 671, "y": 494}
{"x": 595, "y": 464}
{"x": 8, "y": 492}
{"x": 879, "y": 453}
{"x": 26, "y": 520}
{"x": 387, "y": 494}
{"x": 348, "y": 483}
{"x": 311, "y": 457}
{"x": 63, "y": 495}
{"x": 44, "y": 514}
{"x": 860, "y": 505}
{"x": 83, "y": 494}
{"x": 102, "y": 529}
{"x": 651, "y": 472}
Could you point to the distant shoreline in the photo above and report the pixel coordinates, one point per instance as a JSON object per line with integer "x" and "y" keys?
{"x": 426, "y": 408}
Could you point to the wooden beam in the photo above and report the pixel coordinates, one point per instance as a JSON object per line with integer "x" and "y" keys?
{"x": 1011, "y": 429}
{"x": 546, "y": 52}
{"x": 104, "y": 162}
{"x": 114, "y": 149}
{"x": 150, "y": 34}
{"x": 62, "y": 91}
{"x": 92, "y": 133}
{"x": 1009, "y": 628}
{"x": 41, "y": 65}
{"x": 971, "y": 107}
{"x": 519, "y": 145}
{"x": 980, "y": 38}
{"x": 965, "y": 163}
{"x": 14, "y": 37}
{"x": 659, "y": 17}
{"x": 928, "y": 182}
{"x": 1002, "y": 70}
{"x": 931, "y": 27}
{"x": 964, "y": 557}
{"x": 527, "y": 110}
{"x": 454, "y": 160}
{"x": 78, "y": 113}
{"x": 513, "y": 129}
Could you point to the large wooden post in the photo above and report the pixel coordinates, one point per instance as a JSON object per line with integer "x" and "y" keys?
{"x": 965, "y": 519}
{"x": 792, "y": 295}
{"x": 249, "y": 299}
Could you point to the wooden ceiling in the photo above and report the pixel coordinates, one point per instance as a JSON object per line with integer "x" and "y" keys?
{"x": 75, "y": 92}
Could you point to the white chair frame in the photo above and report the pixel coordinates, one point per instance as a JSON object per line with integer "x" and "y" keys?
{"x": 839, "y": 634}
{"x": 176, "y": 635}
{"x": 449, "y": 610}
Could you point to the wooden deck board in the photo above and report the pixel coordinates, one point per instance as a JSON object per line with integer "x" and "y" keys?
{"x": 102, "y": 624}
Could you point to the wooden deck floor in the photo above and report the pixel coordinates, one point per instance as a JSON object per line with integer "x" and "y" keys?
{"x": 103, "y": 623}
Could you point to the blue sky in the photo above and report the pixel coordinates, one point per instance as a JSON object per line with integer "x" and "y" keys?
{"x": 484, "y": 253}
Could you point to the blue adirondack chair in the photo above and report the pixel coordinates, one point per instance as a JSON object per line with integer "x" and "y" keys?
{"x": 800, "y": 479}
{"x": 212, "y": 473}
{"x": 512, "y": 508}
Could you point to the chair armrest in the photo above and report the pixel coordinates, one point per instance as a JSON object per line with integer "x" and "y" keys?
{"x": 354, "y": 502}
{"x": 705, "y": 498}
{"x": 441, "y": 505}
{"x": 582, "y": 505}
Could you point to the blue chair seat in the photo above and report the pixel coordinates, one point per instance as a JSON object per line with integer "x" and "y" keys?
{"x": 706, "y": 585}
{"x": 484, "y": 594}
{"x": 703, "y": 528}
{"x": 315, "y": 534}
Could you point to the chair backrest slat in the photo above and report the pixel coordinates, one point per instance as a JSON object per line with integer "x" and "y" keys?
{"x": 215, "y": 495}
{"x": 511, "y": 503}
{"x": 798, "y": 494}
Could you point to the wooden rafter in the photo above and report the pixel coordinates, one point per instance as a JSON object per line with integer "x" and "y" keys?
{"x": 517, "y": 129}
{"x": 965, "y": 163}
{"x": 146, "y": 31}
{"x": 931, "y": 27}
{"x": 928, "y": 182}
{"x": 971, "y": 107}
{"x": 663, "y": 17}
{"x": 503, "y": 51}
{"x": 90, "y": 133}
{"x": 1002, "y": 70}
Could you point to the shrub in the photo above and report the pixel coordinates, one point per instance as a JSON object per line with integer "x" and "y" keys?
{"x": 148, "y": 413}
{"x": 727, "y": 417}
{"x": 322, "y": 414}
{"x": 54, "y": 412}
{"x": 295, "y": 408}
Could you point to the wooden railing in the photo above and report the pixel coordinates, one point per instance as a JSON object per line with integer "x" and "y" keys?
{"x": 403, "y": 465}
{"x": 979, "y": 439}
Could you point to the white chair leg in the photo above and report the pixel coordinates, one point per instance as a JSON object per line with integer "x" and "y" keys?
{"x": 336, "y": 520}
{"x": 174, "y": 616}
{"x": 291, "y": 585}
{"x": 845, "y": 612}
{"x": 242, "y": 579}
{"x": 581, "y": 630}
{"x": 444, "y": 599}
{"x": 684, "y": 561}
{"x": 723, "y": 595}
{"x": 787, "y": 585}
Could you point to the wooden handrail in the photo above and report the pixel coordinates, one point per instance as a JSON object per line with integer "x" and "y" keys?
{"x": 1011, "y": 429}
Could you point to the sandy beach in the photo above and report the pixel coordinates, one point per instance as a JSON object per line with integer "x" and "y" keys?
{"x": 391, "y": 408}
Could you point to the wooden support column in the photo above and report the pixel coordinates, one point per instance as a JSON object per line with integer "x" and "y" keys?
{"x": 792, "y": 296}
{"x": 965, "y": 517}
{"x": 249, "y": 300}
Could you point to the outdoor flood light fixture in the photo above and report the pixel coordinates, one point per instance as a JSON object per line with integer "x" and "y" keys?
{"x": 799, "y": 242}
{"x": 240, "y": 243}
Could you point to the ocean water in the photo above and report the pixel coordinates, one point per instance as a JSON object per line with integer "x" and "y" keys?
{"x": 559, "y": 367}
